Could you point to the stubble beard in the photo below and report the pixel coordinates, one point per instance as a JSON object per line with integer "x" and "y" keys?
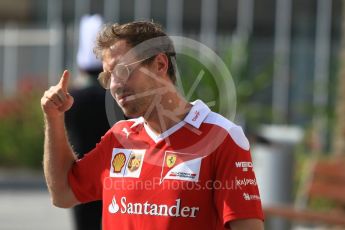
{"x": 136, "y": 108}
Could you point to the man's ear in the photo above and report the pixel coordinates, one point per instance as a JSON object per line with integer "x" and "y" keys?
{"x": 161, "y": 64}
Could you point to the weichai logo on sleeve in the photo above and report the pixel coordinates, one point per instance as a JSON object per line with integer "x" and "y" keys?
{"x": 244, "y": 165}
{"x": 126, "y": 162}
{"x": 180, "y": 166}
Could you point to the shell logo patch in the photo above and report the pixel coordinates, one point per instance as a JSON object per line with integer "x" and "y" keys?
{"x": 118, "y": 162}
{"x": 171, "y": 160}
{"x": 126, "y": 162}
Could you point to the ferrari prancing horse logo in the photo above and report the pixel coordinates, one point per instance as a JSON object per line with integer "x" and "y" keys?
{"x": 171, "y": 160}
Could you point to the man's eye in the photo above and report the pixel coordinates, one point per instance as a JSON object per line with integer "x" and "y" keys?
{"x": 121, "y": 71}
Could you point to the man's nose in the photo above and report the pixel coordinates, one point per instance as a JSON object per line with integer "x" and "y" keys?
{"x": 116, "y": 82}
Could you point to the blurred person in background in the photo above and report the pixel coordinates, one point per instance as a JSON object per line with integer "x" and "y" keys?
{"x": 174, "y": 165}
{"x": 86, "y": 121}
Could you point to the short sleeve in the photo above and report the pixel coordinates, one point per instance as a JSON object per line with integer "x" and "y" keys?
{"x": 239, "y": 197}
{"x": 85, "y": 176}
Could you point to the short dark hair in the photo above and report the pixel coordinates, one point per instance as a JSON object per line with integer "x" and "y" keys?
{"x": 134, "y": 33}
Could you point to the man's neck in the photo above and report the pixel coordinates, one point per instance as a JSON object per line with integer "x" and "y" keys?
{"x": 169, "y": 111}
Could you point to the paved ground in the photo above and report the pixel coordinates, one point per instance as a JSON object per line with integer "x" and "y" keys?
{"x": 25, "y": 204}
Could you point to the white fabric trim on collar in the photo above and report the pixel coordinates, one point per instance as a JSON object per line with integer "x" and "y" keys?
{"x": 197, "y": 114}
{"x": 138, "y": 121}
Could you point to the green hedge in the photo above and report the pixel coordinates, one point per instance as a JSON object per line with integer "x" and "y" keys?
{"x": 21, "y": 130}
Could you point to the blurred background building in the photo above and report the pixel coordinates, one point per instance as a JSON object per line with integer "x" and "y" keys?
{"x": 299, "y": 38}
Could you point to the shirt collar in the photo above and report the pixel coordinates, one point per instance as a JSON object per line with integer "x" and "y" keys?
{"x": 137, "y": 122}
{"x": 195, "y": 116}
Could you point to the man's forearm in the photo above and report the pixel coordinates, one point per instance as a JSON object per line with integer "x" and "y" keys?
{"x": 58, "y": 159}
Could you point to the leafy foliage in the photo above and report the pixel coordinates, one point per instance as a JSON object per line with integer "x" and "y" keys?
{"x": 21, "y": 130}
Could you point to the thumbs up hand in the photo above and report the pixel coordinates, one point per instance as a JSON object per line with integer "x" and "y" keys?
{"x": 56, "y": 100}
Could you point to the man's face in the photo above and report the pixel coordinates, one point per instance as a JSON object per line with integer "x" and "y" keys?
{"x": 130, "y": 94}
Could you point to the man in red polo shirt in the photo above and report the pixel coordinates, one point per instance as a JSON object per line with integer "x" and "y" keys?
{"x": 175, "y": 165}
